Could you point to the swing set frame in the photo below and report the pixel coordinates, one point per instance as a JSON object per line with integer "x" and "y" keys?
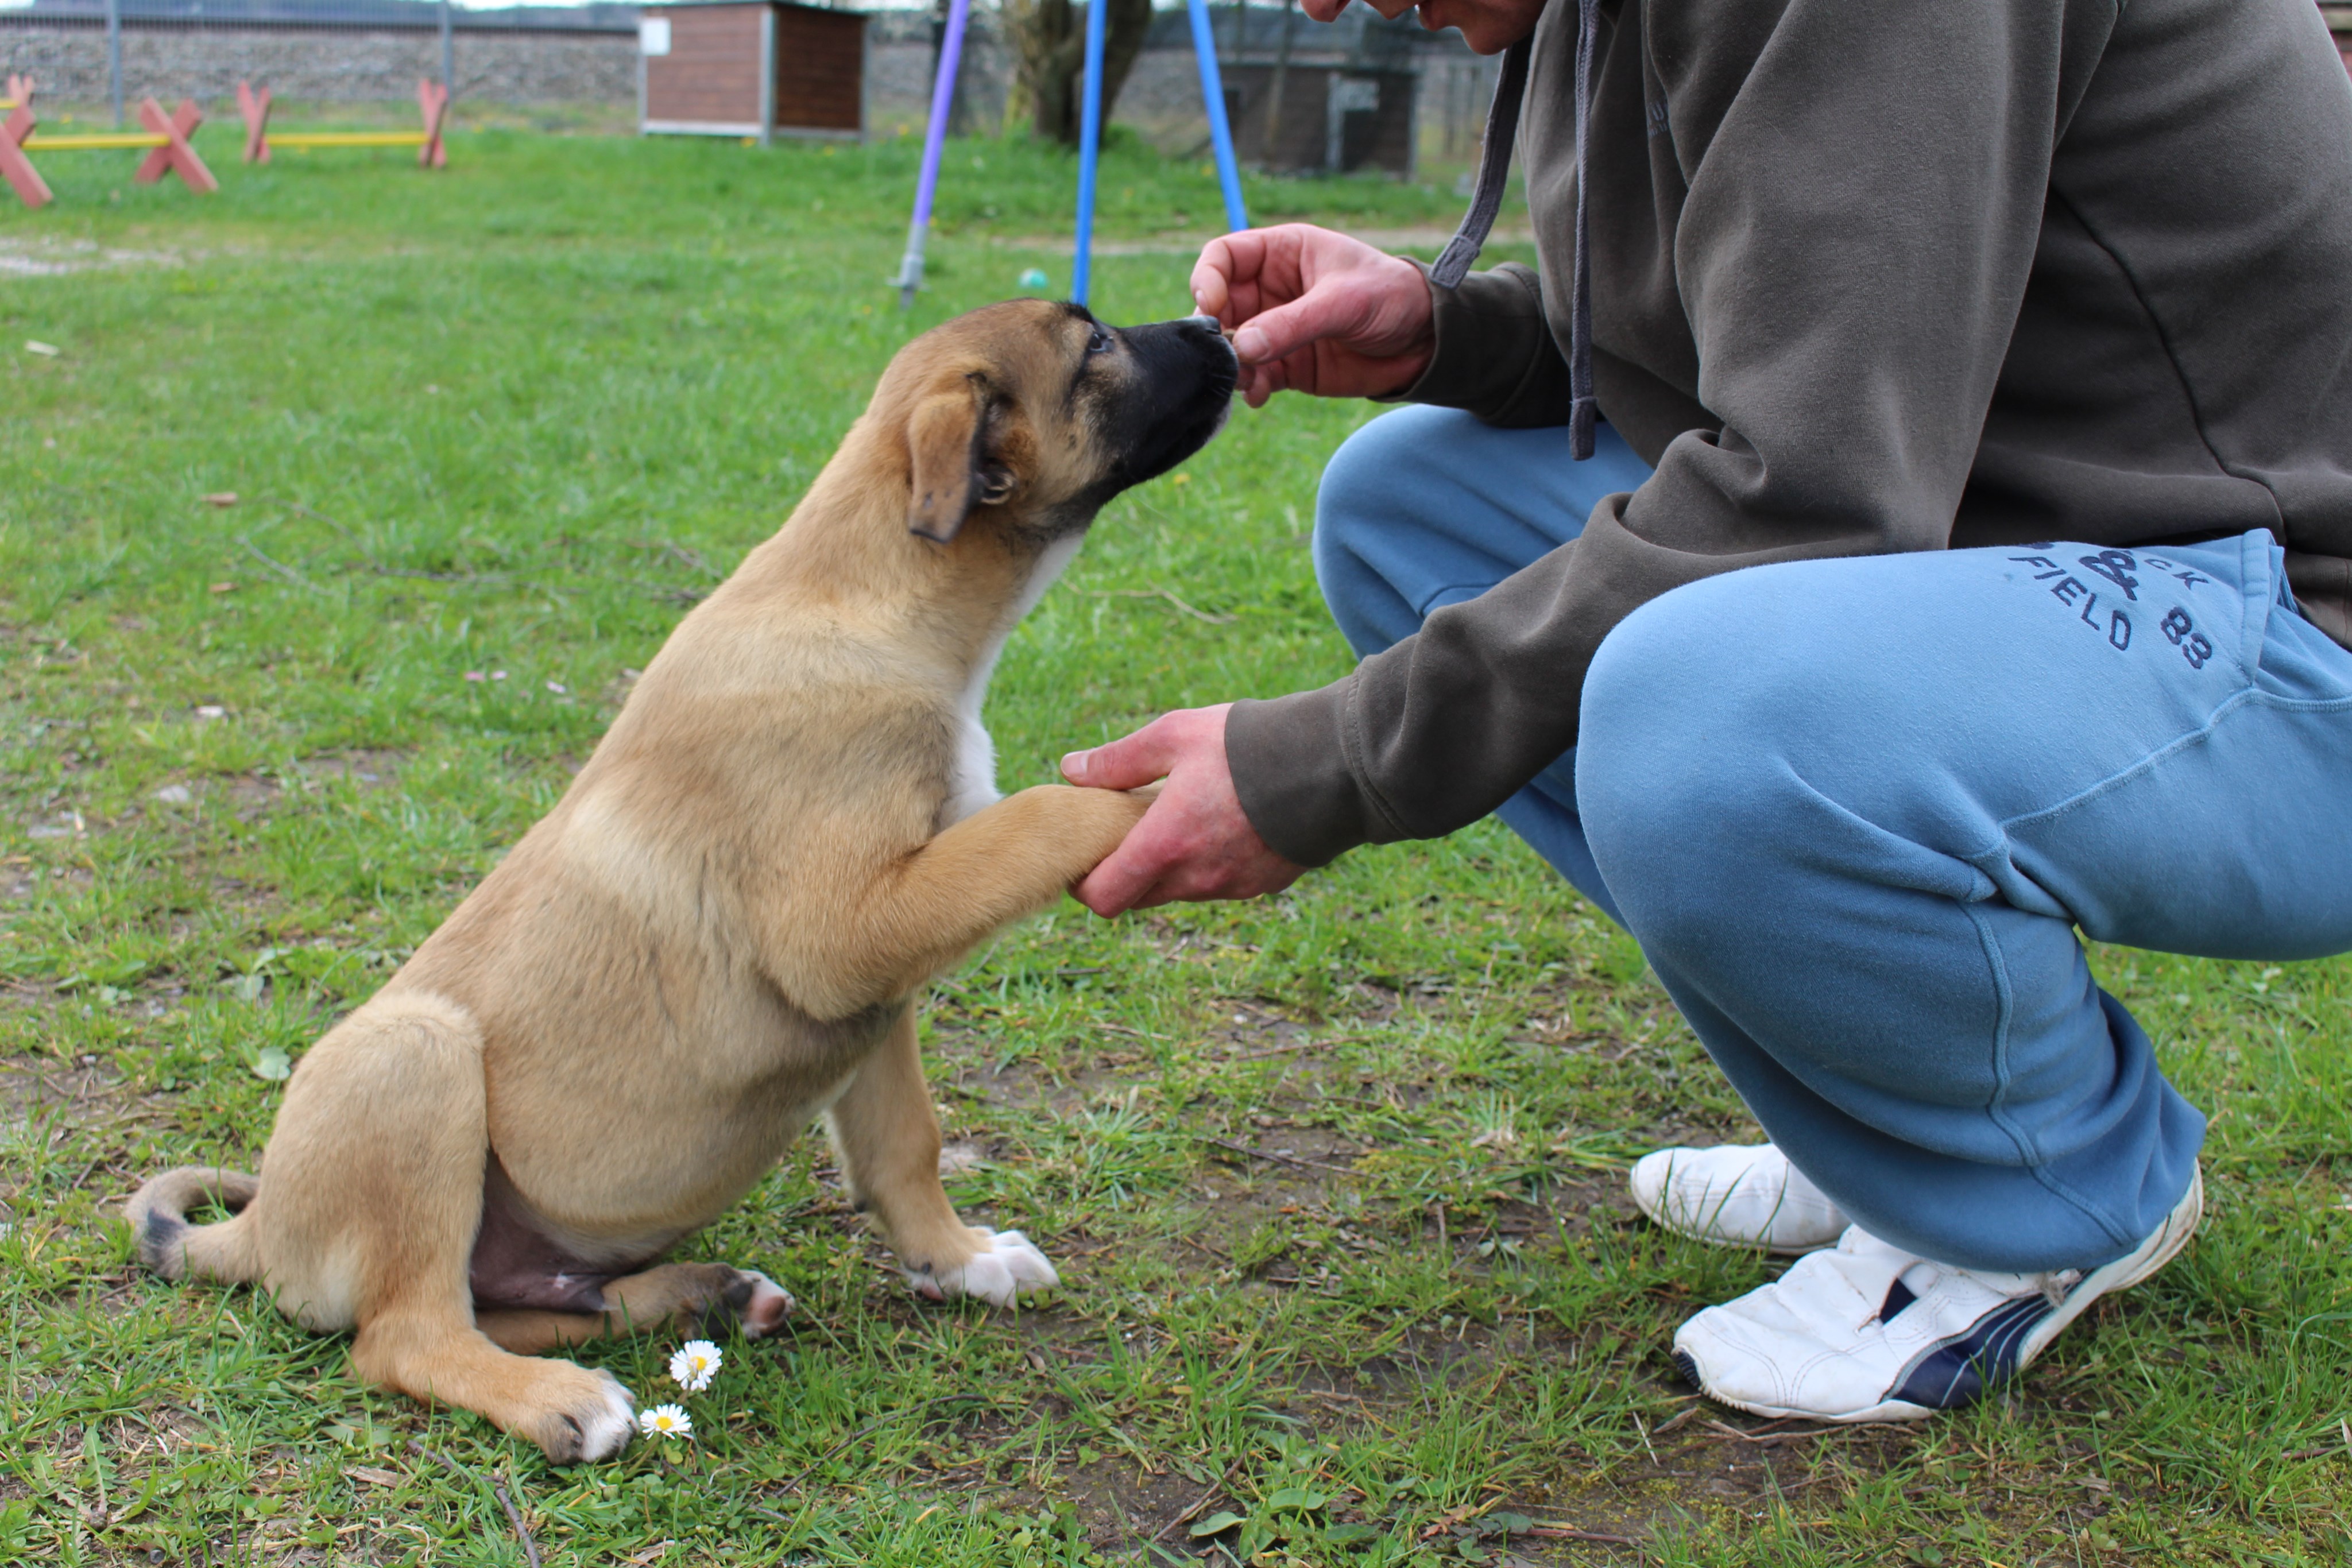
{"x": 1213, "y": 99}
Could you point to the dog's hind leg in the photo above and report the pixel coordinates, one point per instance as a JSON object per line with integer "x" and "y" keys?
{"x": 888, "y": 1138}
{"x": 372, "y": 1193}
{"x": 706, "y": 1296}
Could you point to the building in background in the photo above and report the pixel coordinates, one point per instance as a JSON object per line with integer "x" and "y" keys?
{"x": 751, "y": 68}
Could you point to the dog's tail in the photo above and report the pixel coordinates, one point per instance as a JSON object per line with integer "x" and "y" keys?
{"x": 170, "y": 1246}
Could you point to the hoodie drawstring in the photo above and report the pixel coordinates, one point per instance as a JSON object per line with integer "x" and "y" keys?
{"x": 1494, "y": 172}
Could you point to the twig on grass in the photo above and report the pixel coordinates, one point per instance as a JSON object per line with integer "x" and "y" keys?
{"x": 1159, "y": 593}
{"x": 319, "y": 516}
{"x": 1462, "y": 1515}
{"x": 1299, "y": 1045}
{"x": 1570, "y": 1532}
{"x": 1676, "y": 1423}
{"x": 692, "y": 559}
{"x": 1280, "y": 1159}
{"x": 514, "y": 1515}
{"x": 424, "y": 576}
{"x": 2344, "y": 1427}
{"x": 1200, "y": 1504}
{"x": 368, "y": 555}
{"x": 1766, "y": 1437}
{"x": 865, "y": 1431}
{"x": 666, "y": 593}
{"x": 287, "y": 572}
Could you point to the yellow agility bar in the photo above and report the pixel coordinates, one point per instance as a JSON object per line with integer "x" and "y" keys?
{"x": 116, "y": 140}
{"x": 347, "y": 138}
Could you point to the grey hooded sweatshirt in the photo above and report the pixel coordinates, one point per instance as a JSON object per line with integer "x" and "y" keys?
{"x": 1872, "y": 275}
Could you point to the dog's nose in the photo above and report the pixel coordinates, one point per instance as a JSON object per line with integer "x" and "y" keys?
{"x": 1211, "y": 325}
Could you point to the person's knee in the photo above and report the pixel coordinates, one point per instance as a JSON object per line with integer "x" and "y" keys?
{"x": 1365, "y": 488}
{"x": 1368, "y": 516}
{"x": 1683, "y": 777}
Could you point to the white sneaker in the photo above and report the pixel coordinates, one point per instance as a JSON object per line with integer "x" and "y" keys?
{"x": 1741, "y": 1194}
{"x": 1871, "y": 1333}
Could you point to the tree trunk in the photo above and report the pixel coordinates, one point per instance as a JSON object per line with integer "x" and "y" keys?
{"x": 1049, "y": 38}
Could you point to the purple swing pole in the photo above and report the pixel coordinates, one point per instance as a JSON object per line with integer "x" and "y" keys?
{"x": 935, "y": 135}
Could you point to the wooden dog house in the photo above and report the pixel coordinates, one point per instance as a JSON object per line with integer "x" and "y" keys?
{"x": 751, "y": 68}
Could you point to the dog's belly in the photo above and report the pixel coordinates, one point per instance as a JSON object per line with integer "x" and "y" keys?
{"x": 517, "y": 1263}
{"x": 604, "y": 1204}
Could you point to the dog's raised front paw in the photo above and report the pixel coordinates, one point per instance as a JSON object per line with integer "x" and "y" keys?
{"x": 591, "y": 1420}
{"x": 1005, "y": 1266}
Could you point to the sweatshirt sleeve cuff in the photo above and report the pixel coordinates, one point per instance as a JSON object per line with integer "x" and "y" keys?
{"x": 1495, "y": 354}
{"x": 1289, "y": 762}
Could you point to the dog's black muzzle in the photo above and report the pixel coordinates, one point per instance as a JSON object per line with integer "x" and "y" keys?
{"x": 1177, "y": 396}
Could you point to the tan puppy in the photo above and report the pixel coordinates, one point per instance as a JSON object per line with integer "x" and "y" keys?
{"x": 718, "y": 932}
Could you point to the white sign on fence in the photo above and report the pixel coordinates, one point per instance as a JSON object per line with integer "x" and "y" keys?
{"x": 653, "y": 35}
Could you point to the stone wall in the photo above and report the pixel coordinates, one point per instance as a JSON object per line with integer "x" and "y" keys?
{"x": 334, "y": 65}
{"x": 899, "y": 81}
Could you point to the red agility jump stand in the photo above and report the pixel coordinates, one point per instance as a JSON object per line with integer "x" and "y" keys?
{"x": 432, "y": 102}
{"x": 30, "y": 188}
{"x": 165, "y": 139}
{"x": 254, "y": 107}
{"x": 174, "y": 154}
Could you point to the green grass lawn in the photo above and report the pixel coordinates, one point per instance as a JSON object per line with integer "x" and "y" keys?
{"x": 1334, "y": 1180}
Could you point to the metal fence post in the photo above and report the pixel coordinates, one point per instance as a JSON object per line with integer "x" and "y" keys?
{"x": 448, "y": 53}
{"x": 114, "y": 56}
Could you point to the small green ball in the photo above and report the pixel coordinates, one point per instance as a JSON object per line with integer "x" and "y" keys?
{"x": 1035, "y": 281}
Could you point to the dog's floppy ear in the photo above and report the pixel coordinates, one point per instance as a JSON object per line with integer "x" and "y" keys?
{"x": 944, "y": 437}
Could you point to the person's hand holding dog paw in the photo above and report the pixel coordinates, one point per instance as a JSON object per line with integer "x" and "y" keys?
{"x": 1195, "y": 844}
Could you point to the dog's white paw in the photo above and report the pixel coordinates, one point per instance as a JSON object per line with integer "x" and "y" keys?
{"x": 1006, "y": 1266}
{"x": 607, "y": 1426}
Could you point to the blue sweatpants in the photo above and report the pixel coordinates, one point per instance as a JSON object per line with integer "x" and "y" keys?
{"x": 1855, "y": 809}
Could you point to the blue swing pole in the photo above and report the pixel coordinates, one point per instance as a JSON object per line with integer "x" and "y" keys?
{"x": 1089, "y": 153}
{"x": 935, "y": 135}
{"x": 1213, "y": 98}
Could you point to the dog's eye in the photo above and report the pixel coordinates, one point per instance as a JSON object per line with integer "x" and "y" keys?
{"x": 1098, "y": 341}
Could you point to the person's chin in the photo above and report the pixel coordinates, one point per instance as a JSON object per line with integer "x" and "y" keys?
{"x": 1476, "y": 30}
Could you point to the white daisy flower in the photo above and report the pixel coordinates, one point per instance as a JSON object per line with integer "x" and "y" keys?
{"x": 666, "y": 1421}
{"x": 695, "y": 1364}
